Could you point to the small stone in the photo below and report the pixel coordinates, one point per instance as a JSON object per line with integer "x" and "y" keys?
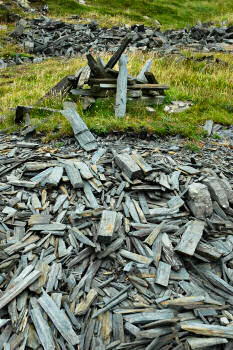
{"x": 2, "y": 64}
{"x": 28, "y": 46}
{"x": 208, "y": 127}
{"x": 151, "y": 110}
{"x": 224, "y": 321}
{"x": 199, "y": 200}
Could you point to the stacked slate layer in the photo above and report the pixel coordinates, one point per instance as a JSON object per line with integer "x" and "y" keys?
{"x": 128, "y": 246}
{"x": 47, "y": 37}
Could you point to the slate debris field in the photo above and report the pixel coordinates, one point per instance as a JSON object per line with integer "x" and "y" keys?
{"x": 44, "y": 37}
{"x": 126, "y": 246}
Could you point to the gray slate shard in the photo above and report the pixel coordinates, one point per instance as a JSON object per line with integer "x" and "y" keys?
{"x": 163, "y": 274}
{"x": 107, "y": 226}
{"x": 55, "y": 176}
{"x": 74, "y": 176}
{"x": 59, "y": 319}
{"x": 208, "y": 127}
{"x": 191, "y": 237}
{"x": 42, "y": 329}
{"x": 217, "y": 191}
{"x": 81, "y": 132}
{"x": 199, "y": 200}
{"x": 128, "y": 165}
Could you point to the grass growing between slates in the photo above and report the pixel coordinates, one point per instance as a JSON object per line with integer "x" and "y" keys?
{"x": 210, "y": 90}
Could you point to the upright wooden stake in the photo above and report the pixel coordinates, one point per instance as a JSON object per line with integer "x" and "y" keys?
{"x": 121, "y": 94}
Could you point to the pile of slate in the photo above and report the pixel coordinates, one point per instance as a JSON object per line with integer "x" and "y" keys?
{"x": 48, "y": 38}
{"x": 127, "y": 246}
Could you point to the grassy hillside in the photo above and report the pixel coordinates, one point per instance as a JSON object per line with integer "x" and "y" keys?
{"x": 171, "y": 14}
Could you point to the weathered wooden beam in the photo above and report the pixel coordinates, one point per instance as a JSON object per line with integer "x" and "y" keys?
{"x": 113, "y": 60}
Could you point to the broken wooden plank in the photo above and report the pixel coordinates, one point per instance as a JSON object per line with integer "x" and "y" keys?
{"x": 113, "y": 60}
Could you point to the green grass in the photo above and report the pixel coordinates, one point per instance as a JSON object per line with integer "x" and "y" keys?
{"x": 208, "y": 86}
{"x": 210, "y": 90}
{"x": 172, "y": 14}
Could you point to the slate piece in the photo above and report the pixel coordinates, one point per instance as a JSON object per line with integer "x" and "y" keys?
{"x": 191, "y": 238}
{"x": 128, "y": 165}
{"x": 74, "y": 176}
{"x": 209, "y": 330}
{"x": 199, "y": 200}
{"x": 59, "y": 319}
{"x": 163, "y": 274}
{"x": 81, "y": 132}
{"x": 42, "y": 329}
{"x": 107, "y": 226}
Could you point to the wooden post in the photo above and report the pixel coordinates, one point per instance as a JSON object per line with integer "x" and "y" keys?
{"x": 145, "y": 68}
{"x": 121, "y": 94}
